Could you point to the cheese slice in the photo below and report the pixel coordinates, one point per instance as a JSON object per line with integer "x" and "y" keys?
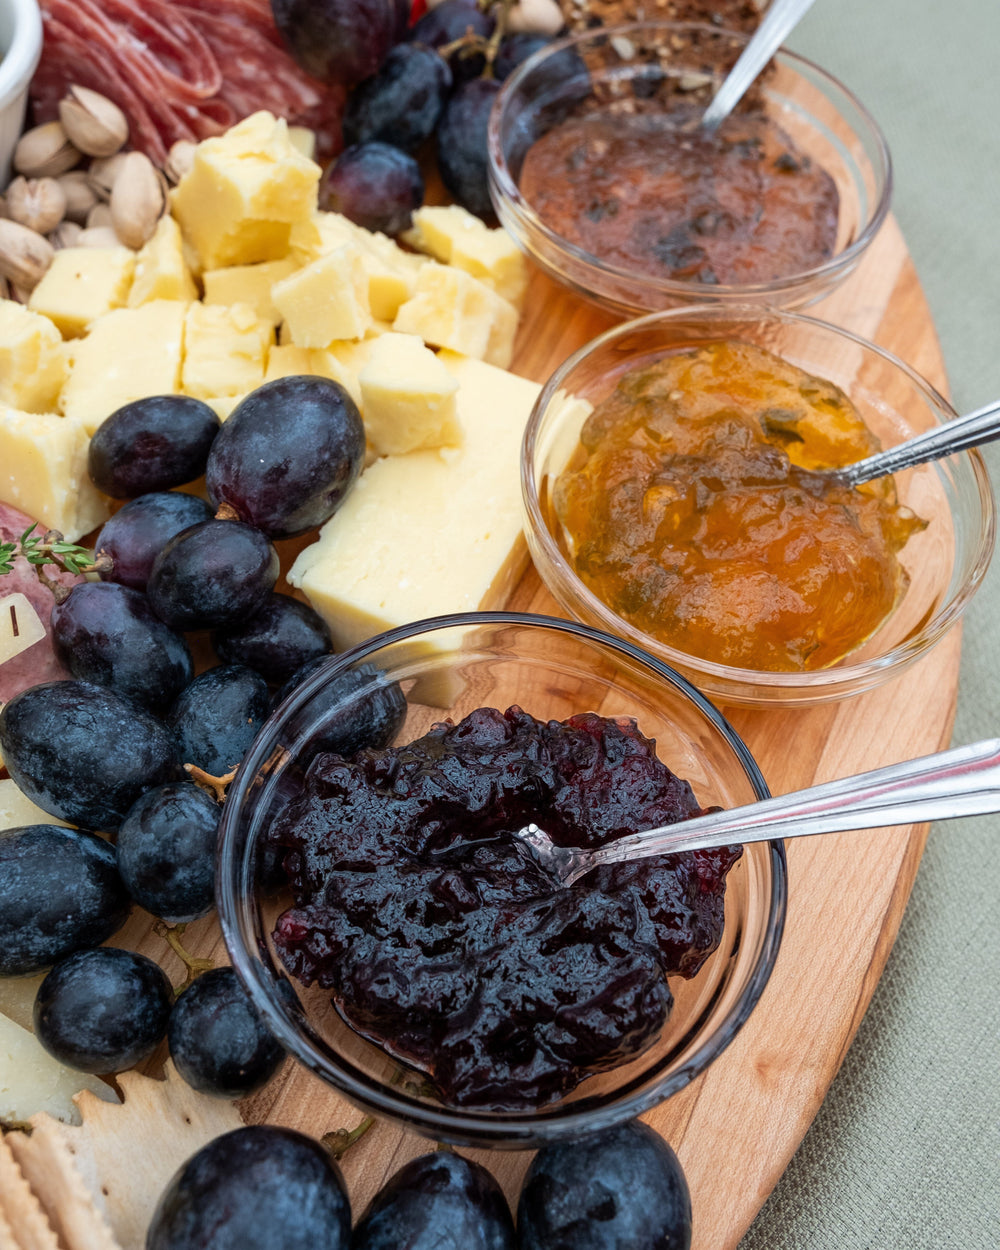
{"x": 43, "y": 472}
{"x": 431, "y": 531}
{"x": 32, "y": 1081}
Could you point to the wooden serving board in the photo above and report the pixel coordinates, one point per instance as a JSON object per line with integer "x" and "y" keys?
{"x": 737, "y": 1126}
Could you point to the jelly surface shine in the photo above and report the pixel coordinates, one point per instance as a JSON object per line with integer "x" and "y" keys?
{"x": 693, "y": 515}
{"x": 444, "y": 941}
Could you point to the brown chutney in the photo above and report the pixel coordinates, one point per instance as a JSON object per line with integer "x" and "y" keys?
{"x": 654, "y": 192}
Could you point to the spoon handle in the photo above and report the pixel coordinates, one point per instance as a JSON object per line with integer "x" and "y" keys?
{"x": 972, "y": 430}
{"x": 964, "y": 781}
{"x": 780, "y": 18}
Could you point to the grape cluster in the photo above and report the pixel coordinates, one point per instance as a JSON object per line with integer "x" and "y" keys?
{"x": 432, "y": 82}
{"x": 619, "y": 1189}
{"x": 114, "y": 748}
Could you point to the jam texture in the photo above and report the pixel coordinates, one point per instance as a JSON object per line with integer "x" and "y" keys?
{"x": 692, "y": 512}
{"x": 659, "y": 194}
{"x": 444, "y": 941}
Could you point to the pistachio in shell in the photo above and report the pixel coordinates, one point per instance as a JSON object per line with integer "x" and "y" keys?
{"x": 94, "y": 124}
{"x": 45, "y": 152}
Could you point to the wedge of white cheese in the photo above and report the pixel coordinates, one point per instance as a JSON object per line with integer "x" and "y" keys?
{"x": 431, "y": 531}
{"x": 32, "y": 1081}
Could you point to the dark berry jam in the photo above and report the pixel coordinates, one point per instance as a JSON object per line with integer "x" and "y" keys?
{"x": 445, "y": 942}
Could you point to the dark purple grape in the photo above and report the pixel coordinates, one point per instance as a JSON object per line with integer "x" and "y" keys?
{"x": 59, "y": 893}
{"x": 621, "y": 1189}
{"x": 277, "y": 641}
{"x": 438, "y": 1201}
{"x": 337, "y": 41}
{"x": 84, "y": 753}
{"x": 215, "y": 573}
{"x": 287, "y": 455}
{"x": 109, "y": 634}
{"x": 217, "y": 717}
{"x": 374, "y": 184}
{"x": 357, "y": 709}
{"x": 259, "y": 1186}
{"x": 403, "y": 9}
{"x": 400, "y": 104}
{"x": 516, "y": 48}
{"x": 151, "y": 444}
{"x": 451, "y": 20}
{"x": 217, "y": 1040}
{"x": 103, "y": 1010}
{"x": 461, "y": 144}
{"x": 166, "y": 851}
{"x": 134, "y": 536}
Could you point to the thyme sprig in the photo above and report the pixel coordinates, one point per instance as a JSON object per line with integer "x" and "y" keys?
{"x": 50, "y": 547}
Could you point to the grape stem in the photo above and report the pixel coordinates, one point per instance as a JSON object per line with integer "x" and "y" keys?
{"x": 52, "y": 548}
{"x": 216, "y": 786}
{"x": 226, "y": 512}
{"x": 341, "y": 1140}
{"x": 171, "y": 934}
{"x": 471, "y": 43}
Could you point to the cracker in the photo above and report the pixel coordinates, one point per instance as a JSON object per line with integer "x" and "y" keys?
{"x": 47, "y": 1165}
{"x": 23, "y": 1217}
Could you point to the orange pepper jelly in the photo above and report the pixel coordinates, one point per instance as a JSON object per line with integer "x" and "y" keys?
{"x": 656, "y": 193}
{"x": 695, "y": 518}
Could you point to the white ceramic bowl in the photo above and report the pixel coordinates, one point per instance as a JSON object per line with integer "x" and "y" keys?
{"x": 20, "y": 50}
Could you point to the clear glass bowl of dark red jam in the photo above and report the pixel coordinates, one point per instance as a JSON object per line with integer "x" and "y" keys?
{"x": 402, "y": 945}
{"x": 599, "y": 169}
{"x": 698, "y": 534}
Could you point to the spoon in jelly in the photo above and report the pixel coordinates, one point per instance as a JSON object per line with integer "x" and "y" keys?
{"x": 971, "y": 430}
{"x": 964, "y": 781}
{"x": 781, "y": 17}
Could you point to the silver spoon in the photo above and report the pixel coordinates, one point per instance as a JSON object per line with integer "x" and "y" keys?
{"x": 781, "y": 17}
{"x": 964, "y": 781}
{"x": 975, "y": 428}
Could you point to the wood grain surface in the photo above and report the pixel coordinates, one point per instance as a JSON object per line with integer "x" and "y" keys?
{"x": 737, "y": 1126}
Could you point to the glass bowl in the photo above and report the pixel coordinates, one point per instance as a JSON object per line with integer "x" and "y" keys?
{"x": 447, "y": 667}
{"x": 649, "y": 65}
{"x": 945, "y": 562}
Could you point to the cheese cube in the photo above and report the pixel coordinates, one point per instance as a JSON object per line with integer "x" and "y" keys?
{"x": 32, "y": 360}
{"x": 225, "y": 350}
{"x": 82, "y": 284}
{"x": 327, "y": 299}
{"x": 303, "y": 140}
{"x": 32, "y": 1081}
{"x": 248, "y": 284}
{"x": 454, "y": 310}
{"x": 161, "y": 269}
{"x": 237, "y": 203}
{"x": 223, "y": 405}
{"x": 456, "y": 237}
{"x": 407, "y": 397}
{"x": 129, "y": 353}
{"x": 285, "y": 361}
{"x": 43, "y": 472}
{"x": 431, "y": 531}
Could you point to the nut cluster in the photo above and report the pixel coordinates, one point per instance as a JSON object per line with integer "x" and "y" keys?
{"x": 76, "y": 186}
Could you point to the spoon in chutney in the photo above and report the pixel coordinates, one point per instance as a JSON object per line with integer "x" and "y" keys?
{"x": 964, "y": 781}
{"x": 781, "y": 17}
{"x": 971, "y": 430}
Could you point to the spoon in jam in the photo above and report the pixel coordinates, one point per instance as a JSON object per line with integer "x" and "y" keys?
{"x": 964, "y": 781}
{"x": 781, "y": 17}
{"x": 972, "y": 430}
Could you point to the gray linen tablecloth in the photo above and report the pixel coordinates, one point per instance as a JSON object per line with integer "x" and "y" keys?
{"x": 905, "y": 1153}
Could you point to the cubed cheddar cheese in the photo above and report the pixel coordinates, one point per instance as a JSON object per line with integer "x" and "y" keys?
{"x": 43, "y": 472}
{"x": 32, "y": 360}
{"x": 326, "y": 299}
{"x": 82, "y": 284}
{"x": 431, "y": 531}
{"x": 452, "y": 309}
{"x": 454, "y": 236}
{"x": 248, "y": 284}
{"x": 407, "y": 397}
{"x": 237, "y": 203}
{"x": 288, "y": 360}
{"x": 223, "y": 405}
{"x": 129, "y": 353}
{"x": 161, "y": 269}
{"x": 225, "y": 350}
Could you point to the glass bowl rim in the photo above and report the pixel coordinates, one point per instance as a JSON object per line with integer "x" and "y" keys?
{"x": 504, "y": 189}
{"x": 514, "y": 1130}
{"x": 824, "y": 683}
